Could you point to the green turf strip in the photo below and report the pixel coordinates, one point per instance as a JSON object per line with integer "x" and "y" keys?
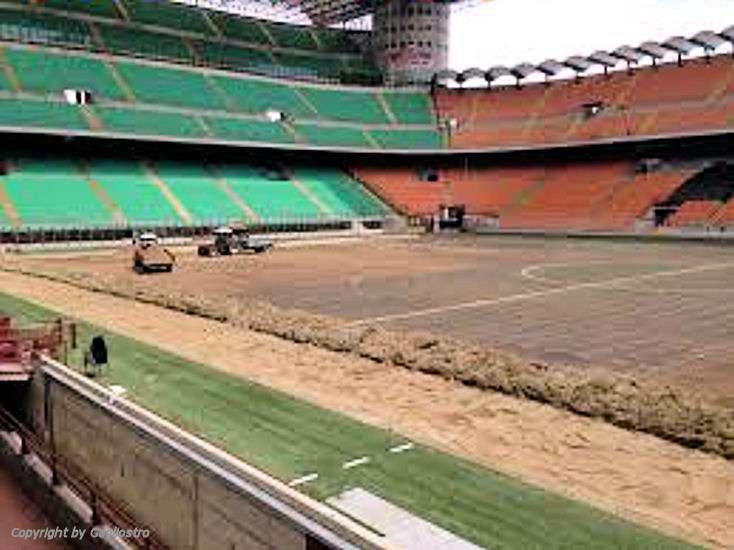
{"x": 289, "y": 438}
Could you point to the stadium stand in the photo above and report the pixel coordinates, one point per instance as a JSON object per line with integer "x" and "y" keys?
{"x": 53, "y": 193}
{"x": 44, "y": 72}
{"x": 162, "y": 85}
{"x": 693, "y": 213}
{"x": 404, "y": 189}
{"x": 649, "y": 101}
{"x": 144, "y": 122}
{"x": 190, "y": 35}
{"x": 338, "y": 193}
{"x": 32, "y": 113}
{"x": 248, "y": 130}
{"x": 725, "y": 216}
{"x": 345, "y": 105}
{"x": 153, "y": 91}
{"x": 603, "y": 195}
{"x": 141, "y": 202}
{"x": 410, "y": 107}
{"x": 332, "y": 136}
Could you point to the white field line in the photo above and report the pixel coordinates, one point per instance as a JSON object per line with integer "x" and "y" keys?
{"x": 356, "y": 462}
{"x": 539, "y": 294}
{"x": 304, "y": 479}
{"x": 401, "y": 448}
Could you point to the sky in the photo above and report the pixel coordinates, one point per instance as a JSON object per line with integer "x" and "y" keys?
{"x": 508, "y": 32}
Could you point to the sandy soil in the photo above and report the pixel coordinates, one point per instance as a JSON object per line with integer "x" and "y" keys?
{"x": 678, "y": 326}
{"x": 639, "y": 477}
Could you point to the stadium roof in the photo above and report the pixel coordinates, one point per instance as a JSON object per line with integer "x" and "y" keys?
{"x": 708, "y": 41}
{"x": 318, "y": 12}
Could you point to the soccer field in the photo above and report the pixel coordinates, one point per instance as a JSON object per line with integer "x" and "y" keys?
{"x": 289, "y": 439}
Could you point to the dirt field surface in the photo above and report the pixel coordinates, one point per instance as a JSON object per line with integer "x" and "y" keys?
{"x": 17, "y": 512}
{"x": 642, "y": 478}
{"x": 658, "y": 310}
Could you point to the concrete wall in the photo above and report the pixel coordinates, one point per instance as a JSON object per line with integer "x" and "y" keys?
{"x": 193, "y": 496}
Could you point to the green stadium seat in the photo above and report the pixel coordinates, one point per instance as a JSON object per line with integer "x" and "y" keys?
{"x": 346, "y": 105}
{"x": 101, "y": 8}
{"x": 342, "y": 195}
{"x": 219, "y": 54}
{"x": 198, "y": 192}
{"x": 137, "y": 121}
{"x": 273, "y": 200}
{"x": 54, "y": 193}
{"x": 410, "y": 107}
{"x": 335, "y": 41}
{"x": 41, "y": 114}
{"x": 131, "y": 190}
{"x": 137, "y": 42}
{"x": 248, "y": 130}
{"x": 292, "y": 36}
{"x": 240, "y": 28}
{"x": 167, "y": 14}
{"x": 43, "y": 28}
{"x": 331, "y": 136}
{"x": 257, "y": 96}
{"x": 309, "y": 66}
{"x": 168, "y": 86}
{"x": 44, "y": 72}
{"x": 407, "y": 139}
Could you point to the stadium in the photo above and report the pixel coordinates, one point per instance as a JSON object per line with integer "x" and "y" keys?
{"x": 274, "y": 275}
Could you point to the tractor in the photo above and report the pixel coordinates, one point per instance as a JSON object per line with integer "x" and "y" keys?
{"x": 149, "y": 256}
{"x": 234, "y": 239}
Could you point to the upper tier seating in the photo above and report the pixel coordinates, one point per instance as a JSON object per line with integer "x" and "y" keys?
{"x": 49, "y": 193}
{"x": 27, "y": 113}
{"x": 167, "y": 30}
{"x": 346, "y": 105}
{"x": 170, "y": 100}
{"x": 143, "y": 43}
{"x": 651, "y": 101}
{"x": 407, "y": 139}
{"x": 160, "y": 85}
{"x": 45, "y": 72}
{"x": 167, "y": 14}
{"x": 140, "y": 122}
{"x": 332, "y": 136}
{"x": 410, "y": 107}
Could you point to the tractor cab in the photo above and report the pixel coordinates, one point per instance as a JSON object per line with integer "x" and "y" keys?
{"x": 146, "y": 240}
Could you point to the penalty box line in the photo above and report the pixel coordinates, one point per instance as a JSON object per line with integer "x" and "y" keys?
{"x": 538, "y": 294}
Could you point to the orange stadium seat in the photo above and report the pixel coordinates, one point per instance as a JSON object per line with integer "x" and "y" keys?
{"x": 693, "y": 213}
{"x": 652, "y": 100}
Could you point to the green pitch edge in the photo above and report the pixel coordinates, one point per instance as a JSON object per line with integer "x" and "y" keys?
{"x": 288, "y": 438}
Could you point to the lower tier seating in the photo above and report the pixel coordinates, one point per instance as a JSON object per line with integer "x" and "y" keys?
{"x": 693, "y": 213}
{"x": 604, "y": 195}
{"x": 80, "y": 193}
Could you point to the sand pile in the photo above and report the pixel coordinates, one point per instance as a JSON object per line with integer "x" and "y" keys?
{"x": 675, "y": 414}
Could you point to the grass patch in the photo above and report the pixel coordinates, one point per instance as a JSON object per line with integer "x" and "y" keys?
{"x": 288, "y": 437}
